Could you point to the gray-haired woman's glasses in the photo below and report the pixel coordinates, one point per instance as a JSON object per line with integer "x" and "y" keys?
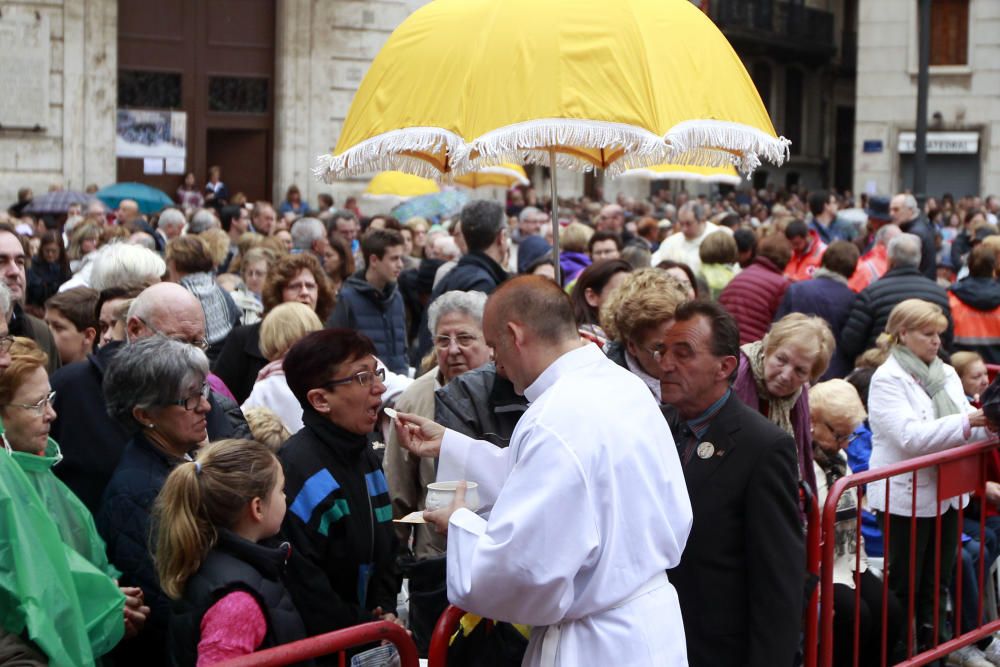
{"x": 193, "y": 401}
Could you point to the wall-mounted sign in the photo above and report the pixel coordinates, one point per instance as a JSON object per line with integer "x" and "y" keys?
{"x": 941, "y": 142}
{"x": 872, "y": 146}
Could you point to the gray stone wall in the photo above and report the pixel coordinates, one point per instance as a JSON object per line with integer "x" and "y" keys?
{"x": 74, "y": 143}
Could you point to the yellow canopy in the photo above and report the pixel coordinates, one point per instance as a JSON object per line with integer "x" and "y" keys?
{"x": 400, "y": 185}
{"x": 502, "y": 176}
{"x": 463, "y": 84}
{"x": 677, "y": 172}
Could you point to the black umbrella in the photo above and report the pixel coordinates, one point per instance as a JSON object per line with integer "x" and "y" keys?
{"x": 57, "y": 202}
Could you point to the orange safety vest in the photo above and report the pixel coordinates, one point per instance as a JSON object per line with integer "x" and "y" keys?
{"x": 871, "y": 267}
{"x": 802, "y": 267}
{"x": 974, "y": 328}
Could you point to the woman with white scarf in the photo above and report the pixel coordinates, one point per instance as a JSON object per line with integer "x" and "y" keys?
{"x": 917, "y": 406}
{"x": 774, "y": 376}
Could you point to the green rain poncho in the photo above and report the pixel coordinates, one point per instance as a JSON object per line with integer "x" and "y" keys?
{"x": 56, "y": 585}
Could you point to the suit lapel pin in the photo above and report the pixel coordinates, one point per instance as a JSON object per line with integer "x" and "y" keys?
{"x": 706, "y": 450}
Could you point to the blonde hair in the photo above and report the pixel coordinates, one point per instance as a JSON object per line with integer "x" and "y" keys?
{"x": 575, "y": 237}
{"x": 200, "y": 497}
{"x": 808, "y": 333}
{"x": 962, "y": 361}
{"x": 836, "y": 400}
{"x": 267, "y": 428}
{"x": 909, "y": 315}
{"x": 719, "y": 248}
{"x": 217, "y": 242}
{"x": 25, "y": 358}
{"x": 645, "y": 298}
{"x": 284, "y": 326}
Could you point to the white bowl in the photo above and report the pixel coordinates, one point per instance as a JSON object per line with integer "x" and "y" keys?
{"x": 441, "y": 494}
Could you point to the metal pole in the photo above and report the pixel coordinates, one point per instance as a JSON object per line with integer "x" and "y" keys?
{"x": 923, "y": 83}
{"x": 555, "y": 214}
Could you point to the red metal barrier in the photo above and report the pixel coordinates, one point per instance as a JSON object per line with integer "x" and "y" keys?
{"x": 333, "y": 642}
{"x": 437, "y": 655}
{"x": 960, "y": 470}
{"x": 813, "y": 562}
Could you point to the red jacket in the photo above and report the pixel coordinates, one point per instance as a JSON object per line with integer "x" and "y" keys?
{"x": 752, "y": 297}
{"x": 802, "y": 267}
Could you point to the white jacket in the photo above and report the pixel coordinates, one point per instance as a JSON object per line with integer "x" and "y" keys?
{"x": 903, "y": 427}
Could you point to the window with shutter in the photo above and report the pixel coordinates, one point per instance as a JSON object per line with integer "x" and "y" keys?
{"x": 949, "y": 32}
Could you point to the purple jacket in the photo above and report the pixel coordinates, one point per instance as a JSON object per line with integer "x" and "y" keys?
{"x": 746, "y": 388}
{"x": 571, "y": 264}
{"x": 753, "y": 297}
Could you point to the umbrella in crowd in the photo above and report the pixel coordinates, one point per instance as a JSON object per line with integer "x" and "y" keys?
{"x": 389, "y": 189}
{"x": 675, "y": 172}
{"x": 433, "y": 207}
{"x": 583, "y": 84}
{"x": 399, "y": 185}
{"x": 501, "y": 176}
{"x": 57, "y": 202}
{"x": 149, "y": 199}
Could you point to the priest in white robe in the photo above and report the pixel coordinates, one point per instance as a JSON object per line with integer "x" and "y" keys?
{"x": 589, "y": 503}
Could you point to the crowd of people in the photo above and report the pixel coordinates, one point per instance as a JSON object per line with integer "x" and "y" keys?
{"x": 200, "y": 462}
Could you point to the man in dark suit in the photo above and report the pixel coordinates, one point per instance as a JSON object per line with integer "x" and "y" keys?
{"x": 740, "y": 580}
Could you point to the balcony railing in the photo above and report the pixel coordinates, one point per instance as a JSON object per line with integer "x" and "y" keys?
{"x": 785, "y": 26}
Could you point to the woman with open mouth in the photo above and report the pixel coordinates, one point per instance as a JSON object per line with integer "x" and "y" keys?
{"x": 343, "y": 569}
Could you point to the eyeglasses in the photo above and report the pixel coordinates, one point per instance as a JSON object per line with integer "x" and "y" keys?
{"x": 5, "y": 343}
{"x": 192, "y": 402}
{"x": 201, "y": 343}
{"x": 39, "y": 407}
{"x": 464, "y": 340}
{"x": 655, "y": 351}
{"x": 840, "y": 437}
{"x": 364, "y": 378}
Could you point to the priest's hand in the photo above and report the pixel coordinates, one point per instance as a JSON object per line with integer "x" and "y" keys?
{"x": 419, "y": 434}
{"x": 440, "y": 518}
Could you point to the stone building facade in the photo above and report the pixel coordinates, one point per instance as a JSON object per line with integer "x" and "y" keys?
{"x": 963, "y": 100}
{"x": 799, "y": 53}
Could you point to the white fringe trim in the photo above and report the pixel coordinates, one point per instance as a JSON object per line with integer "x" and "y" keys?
{"x": 651, "y": 175}
{"x": 701, "y": 143}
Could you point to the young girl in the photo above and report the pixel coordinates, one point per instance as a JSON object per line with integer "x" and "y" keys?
{"x": 211, "y": 515}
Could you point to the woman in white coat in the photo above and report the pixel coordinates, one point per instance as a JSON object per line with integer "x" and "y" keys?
{"x": 917, "y": 406}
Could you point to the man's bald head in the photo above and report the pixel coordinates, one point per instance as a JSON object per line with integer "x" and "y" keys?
{"x": 536, "y": 303}
{"x": 611, "y": 219}
{"x": 168, "y": 309}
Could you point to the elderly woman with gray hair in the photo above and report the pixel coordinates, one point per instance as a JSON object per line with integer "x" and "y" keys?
{"x": 455, "y": 320}
{"x": 156, "y": 387}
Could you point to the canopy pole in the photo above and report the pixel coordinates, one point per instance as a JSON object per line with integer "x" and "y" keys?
{"x": 555, "y": 215}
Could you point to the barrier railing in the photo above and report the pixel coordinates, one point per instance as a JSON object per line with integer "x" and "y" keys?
{"x": 959, "y": 470}
{"x": 333, "y": 642}
{"x": 447, "y": 624}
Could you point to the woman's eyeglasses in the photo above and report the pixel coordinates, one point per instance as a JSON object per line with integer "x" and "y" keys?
{"x": 364, "y": 378}
{"x": 193, "y": 401}
{"x": 841, "y": 438}
{"x": 464, "y": 340}
{"x": 39, "y": 407}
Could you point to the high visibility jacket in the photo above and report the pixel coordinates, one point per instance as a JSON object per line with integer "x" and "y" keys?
{"x": 802, "y": 267}
{"x": 976, "y": 330}
{"x": 871, "y": 266}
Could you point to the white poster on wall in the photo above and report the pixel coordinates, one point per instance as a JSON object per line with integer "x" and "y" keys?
{"x": 142, "y": 133}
